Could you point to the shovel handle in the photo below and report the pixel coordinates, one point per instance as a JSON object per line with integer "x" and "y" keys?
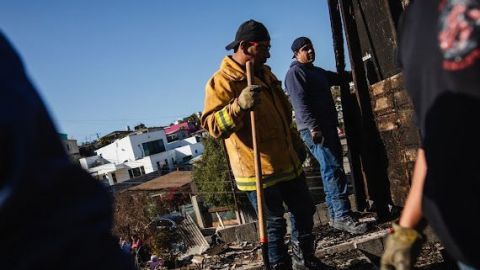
{"x": 258, "y": 176}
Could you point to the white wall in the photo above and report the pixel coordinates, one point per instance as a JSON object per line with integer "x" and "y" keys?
{"x": 149, "y": 163}
{"x": 199, "y": 147}
{"x": 175, "y": 144}
{"x": 118, "y": 151}
{"x": 191, "y": 140}
{"x": 103, "y": 169}
{"x": 71, "y": 147}
{"x": 180, "y": 143}
{"x": 160, "y": 158}
{"x": 130, "y": 148}
{"x": 189, "y": 150}
{"x": 121, "y": 176}
{"x": 87, "y": 162}
{"x": 144, "y": 162}
{"x": 136, "y": 141}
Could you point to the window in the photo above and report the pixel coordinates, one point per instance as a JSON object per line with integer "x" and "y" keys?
{"x": 136, "y": 172}
{"x": 153, "y": 147}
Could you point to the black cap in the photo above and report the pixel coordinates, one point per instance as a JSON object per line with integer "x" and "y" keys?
{"x": 299, "y": 43}
{"x": 249, "y": 31}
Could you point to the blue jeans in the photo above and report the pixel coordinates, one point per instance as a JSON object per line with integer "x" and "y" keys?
{"x": 462, "y": 266}
{"x": 329, "y": 155}
{"x": 295, "y": 195}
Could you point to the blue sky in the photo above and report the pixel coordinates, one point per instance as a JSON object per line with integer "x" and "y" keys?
{"x": 103, "y": 65}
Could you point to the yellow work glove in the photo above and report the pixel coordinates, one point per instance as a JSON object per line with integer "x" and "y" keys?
{"x": 249, "y": 97}
{"x": 398, "y": 253}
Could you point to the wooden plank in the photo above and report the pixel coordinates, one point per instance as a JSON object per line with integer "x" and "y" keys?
{"x": 219, "y": 209}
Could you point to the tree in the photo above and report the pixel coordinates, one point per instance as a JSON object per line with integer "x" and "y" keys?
{"x": 87, "y": 149}
{"x": 193, "y": 119}
{"x": 140, "y": 126}
{"x": 134, "y": 214}
{"x": 211, "y": 174}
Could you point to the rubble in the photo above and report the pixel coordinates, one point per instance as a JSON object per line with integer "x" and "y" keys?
{"x": 191, "y": 237}
{"x": 249, "y": 258}
{"x": 197, "y": 260}
{"x": 239, "y": 233}
{"x": 229, "y": 256}
{"x": 330, "y": 240}
{"x": 236, "y": 247}
{"x": 337, "y": 249}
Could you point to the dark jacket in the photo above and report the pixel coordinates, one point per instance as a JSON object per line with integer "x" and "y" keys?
{"x": 309, "y": 89}
{"x": 444, "y": 85}
{"x": 53, "y": 215}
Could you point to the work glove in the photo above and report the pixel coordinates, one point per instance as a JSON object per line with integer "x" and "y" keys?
{"x": 398, "y": 254}
{"x": 249, "y": 97}
{"x": 317, "y": 136}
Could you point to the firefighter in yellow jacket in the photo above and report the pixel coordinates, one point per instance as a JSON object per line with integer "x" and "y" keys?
{"x": 228, "y": 101}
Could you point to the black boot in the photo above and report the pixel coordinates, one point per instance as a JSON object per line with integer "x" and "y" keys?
{"x": 303, "y": 255}
{"x": 349, "y": 223}
{"x": 281, "y": 266}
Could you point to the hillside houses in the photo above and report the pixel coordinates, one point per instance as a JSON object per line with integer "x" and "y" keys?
{"x": 141, "y": 152}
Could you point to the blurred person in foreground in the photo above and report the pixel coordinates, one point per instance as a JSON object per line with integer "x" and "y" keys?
{"x": 439, "y": 51}
{"x": 53, "y": 215}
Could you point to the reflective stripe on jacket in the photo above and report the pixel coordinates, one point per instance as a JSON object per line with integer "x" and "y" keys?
{"x": 223, "y": 118}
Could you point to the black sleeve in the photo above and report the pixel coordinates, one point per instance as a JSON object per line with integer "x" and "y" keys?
{"x": 335, "y": 78}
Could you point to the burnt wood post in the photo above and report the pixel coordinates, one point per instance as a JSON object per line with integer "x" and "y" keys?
{"x": 386, "y": 136}
{"x": 351, "y": 111}
{"x": 372, "y": 150}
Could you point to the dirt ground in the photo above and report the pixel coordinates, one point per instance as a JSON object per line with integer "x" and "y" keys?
{"x": 246, "y": 255}
{"x": 430, "y": 259}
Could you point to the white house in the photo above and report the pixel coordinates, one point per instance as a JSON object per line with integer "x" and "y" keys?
{"x": 140, "y": 153}
{"x": 71, "y": 147}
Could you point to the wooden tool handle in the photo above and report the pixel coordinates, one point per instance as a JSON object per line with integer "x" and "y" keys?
{"x": 258, "y": 167}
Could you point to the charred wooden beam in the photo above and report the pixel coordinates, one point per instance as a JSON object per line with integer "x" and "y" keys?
{"x": 351, "y": 115}
{"x": 372, "y": 150}
{"x": 388, "y": 136}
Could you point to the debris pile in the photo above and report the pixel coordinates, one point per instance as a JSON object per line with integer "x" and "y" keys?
{"x": 235, "y": 247}
{"x": 242, "y": 255}
{"x": 431, "y": 257}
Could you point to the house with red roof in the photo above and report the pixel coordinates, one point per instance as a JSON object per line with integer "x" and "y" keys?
{"x": 180, "y": 131}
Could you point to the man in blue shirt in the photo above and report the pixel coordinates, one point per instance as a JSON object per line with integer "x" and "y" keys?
{"x": 309, "y": 89}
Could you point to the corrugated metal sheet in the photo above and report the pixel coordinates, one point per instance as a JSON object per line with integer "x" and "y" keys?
{"x": 192, "y": 237}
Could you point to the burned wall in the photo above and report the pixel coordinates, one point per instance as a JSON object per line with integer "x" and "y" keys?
{"x": 388, "y": 137}
{"x": 393, "y": 114}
